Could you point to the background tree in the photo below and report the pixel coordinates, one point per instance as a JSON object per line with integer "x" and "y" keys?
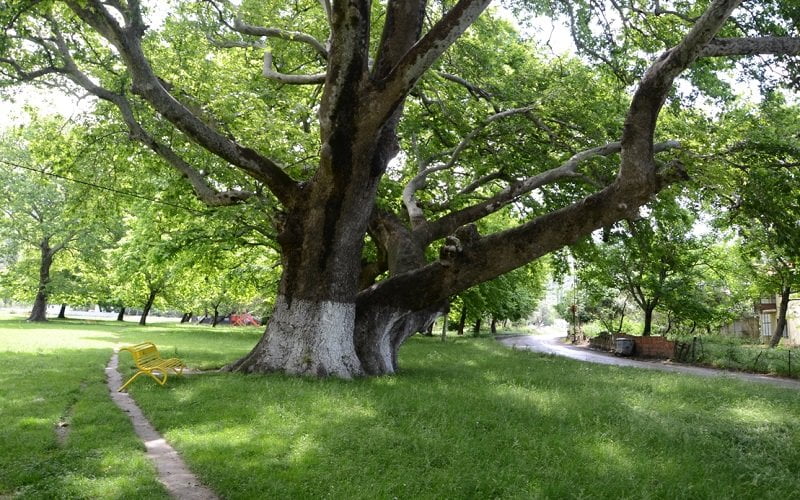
{"x": 758, "y": 186}
{"x": 46, "y": 214}
{"x": 654, "y": 261}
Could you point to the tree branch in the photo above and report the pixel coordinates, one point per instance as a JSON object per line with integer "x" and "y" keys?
{"x": 268, "y": 72}
{"x": 291, "y": 36}
{"x": 127, "y": 40}
{"x": 203, "y": 190}
{"x": 775, "y": 45}
{"x": 399, "y": 82}
{"x": 447, "y": 224}
{"x": 418, "y": 182}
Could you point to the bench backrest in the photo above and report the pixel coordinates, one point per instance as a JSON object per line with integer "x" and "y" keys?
{"x": 143, "y": 353}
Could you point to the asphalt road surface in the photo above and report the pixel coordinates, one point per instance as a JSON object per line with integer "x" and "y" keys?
{"x": 551, "y": 341}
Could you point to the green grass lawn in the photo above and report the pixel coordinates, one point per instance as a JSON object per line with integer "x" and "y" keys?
{"x": 464, "y": 419}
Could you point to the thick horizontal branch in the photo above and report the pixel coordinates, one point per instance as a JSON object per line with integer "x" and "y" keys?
{"x": 774, "y": 45}
{"x": 493, "y": 255}
{"x": 433, "y": 230}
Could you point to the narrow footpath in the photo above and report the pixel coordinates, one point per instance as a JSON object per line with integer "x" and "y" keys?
{"x": 173, "y": 473}
{"x": 551, "y": 341}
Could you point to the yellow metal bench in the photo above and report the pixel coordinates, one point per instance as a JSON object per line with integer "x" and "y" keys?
{"x": 150, "y": 362}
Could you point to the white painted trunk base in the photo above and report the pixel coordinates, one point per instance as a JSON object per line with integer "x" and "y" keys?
{"x": 307, "y": 338}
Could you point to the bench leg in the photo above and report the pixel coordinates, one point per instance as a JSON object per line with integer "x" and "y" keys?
{"x": 129, "y": 381}
{"x": 162, "y": 380}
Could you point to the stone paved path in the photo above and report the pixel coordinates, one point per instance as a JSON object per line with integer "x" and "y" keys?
{"x": 173, "y": 473}
{"x": 551, "y": 342}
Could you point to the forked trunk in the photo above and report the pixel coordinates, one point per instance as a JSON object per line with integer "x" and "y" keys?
{"x": 381, "y": 330}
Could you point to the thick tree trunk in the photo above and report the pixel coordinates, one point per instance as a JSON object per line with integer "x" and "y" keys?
{"x": 147, "y": 306}
{"x": 786, "y": 293}
{"x": 39, "y": 311}
{"x": 62, "y": 313}
{"x": 121, "y": 314}
{"x": 306, "y": 338}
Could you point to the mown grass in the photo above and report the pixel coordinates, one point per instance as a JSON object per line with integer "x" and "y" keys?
{"x": 52, "y": 377}
{"x": 464, "y": 419}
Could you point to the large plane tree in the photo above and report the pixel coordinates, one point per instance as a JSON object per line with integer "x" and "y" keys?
{"x": 346, "y": 73}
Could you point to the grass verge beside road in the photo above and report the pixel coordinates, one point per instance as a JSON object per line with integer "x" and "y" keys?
{"x": 465, "y": 418}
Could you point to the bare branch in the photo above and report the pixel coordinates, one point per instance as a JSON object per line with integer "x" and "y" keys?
{"x": 637, "y": 172}
{"x": 268, "y": 72}
{"x": 203, "y": 190}
{"x": 418, "y": 182}
{"x": 290, "y": 36}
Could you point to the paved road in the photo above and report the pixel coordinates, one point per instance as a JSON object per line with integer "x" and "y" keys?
{"x": 552, "y": 342}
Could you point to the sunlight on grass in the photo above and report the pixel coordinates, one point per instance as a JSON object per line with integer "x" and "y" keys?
{"x": 463, "y": 419}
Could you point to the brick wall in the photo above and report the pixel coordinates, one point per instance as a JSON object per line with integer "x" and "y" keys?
{"x": 653, "y": 347}
{"x": 646, "y": 347}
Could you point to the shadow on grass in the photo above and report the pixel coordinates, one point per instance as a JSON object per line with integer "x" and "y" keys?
{"x": 97, "y": 454}
{"x": 470, "y": 419}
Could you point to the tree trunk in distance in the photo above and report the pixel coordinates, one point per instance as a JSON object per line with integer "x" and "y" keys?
{"x": 648, "y": 321}
{"x": 477, "y": 329}
{"x": 150, "y": 299}
{"x": 39, "y": 311}
{"x": 62, "y": 313}
{"x": 216, "y": 317}
{"x": 462, "y": 319}
{"x": 786, "y": 292}
{"x": 494, "y": 325}
{"x": 121, "y": 315}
